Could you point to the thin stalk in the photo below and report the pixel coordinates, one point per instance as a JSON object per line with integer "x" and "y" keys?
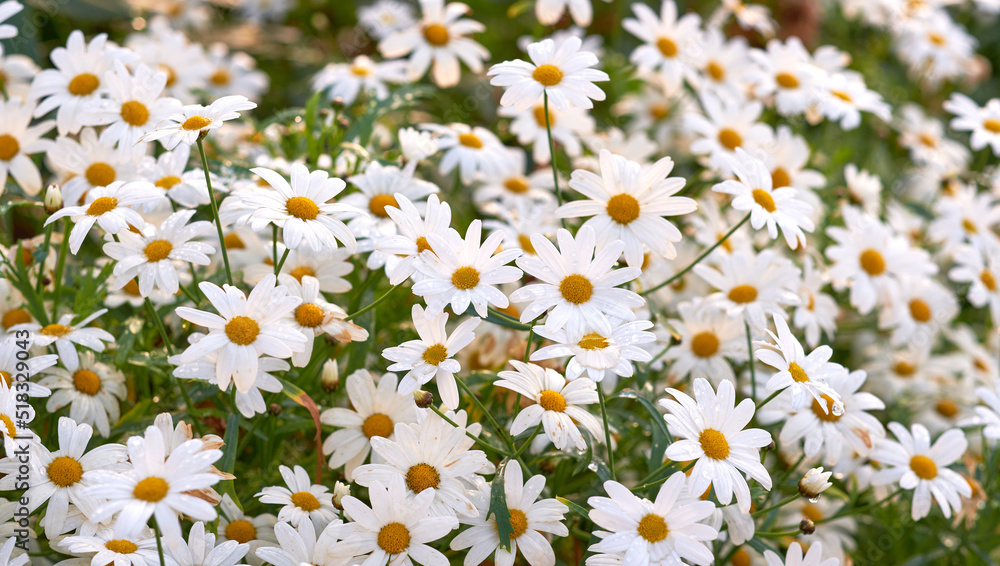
{"x": 527, "y": 442}
{"x": 478, "y": 440}
{"x": 215, "y": 212}
{"x": 159, "y": 542}
{"x": 753, "y": 372}
{"x": 607, "y": 432}
{"x": 41, "y": 264}
{"x": 279, "y": 264}
{"x": 61, "y": 265}
{"x": 777, "y": 505}
{"x": 170, "y": 350}
{"x": 698, "y": 259}
{"x": 527, "y": 345}
{"x": 552, "y": 153}
{"x": 479, "y": 405}
{"x": 374, "y": 303}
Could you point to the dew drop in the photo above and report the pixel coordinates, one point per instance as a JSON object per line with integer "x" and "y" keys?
{"x": 838, "y": 408}
{"x": 814, "y": 500}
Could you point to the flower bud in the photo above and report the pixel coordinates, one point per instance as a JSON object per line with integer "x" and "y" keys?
{"x": 274, "y": 409}
{"x": 53, "y": 199}
{"x": 331, "y": 376}
{"x": 423, "y": 399}
{"x": 814, "y": 483}
{"x": 807, "y": 527}
{"x": 339, "y": 492}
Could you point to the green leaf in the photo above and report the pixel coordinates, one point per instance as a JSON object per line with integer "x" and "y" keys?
{"x": 231, "y": 440}
{"x": 658, "y": 421}
{"x": 498, "y": 506}
{"x": 501, "y": 319}
{"x": 579, "y": 510}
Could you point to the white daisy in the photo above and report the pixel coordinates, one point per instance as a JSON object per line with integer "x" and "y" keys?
{"x": 256, "y": 531}
{"x": 329, "y": 267}
{"x": 668, "y": 41}
{"x": 474, "y": 150}
{"x": 412, "y": 231}
{"x": 628, "y": 203}
{"x": 194, "y": 121}
{"x": 561, "y": 72}
{"x": 297, "y": 546}
{"x": 728, "y": 123}
{"x": 785, "y": 70}
{"x": 12, "y": 367}
{"x": 109, "y": 207}
{"x": 65, "y": 334}
{"x": 918, "y": 311}
{"x": 529, "y": 125}
{"x": 91, "y": 162}
{"x": 93, "y": 391}
{"x": 234, "y": 73}
{"x": 710, "y": 342}
{"x": 752, "y": 285}
{"x": 710, "y": 429}
{"x": 549, "y": 12}
{"x": 597, "y": 354}
{"x": 344, "y": 81}
{"x": 817, "y": 311}
{"x": 96, "y": 544}
{"x": 18, "y": 141}
{"x": 431, "y": 356}
{"x": 200, "y": 549}
{"x": 803, "y": 376}
{"x": 794, "y": 557}
{"x": 302, "y": 500}
{"x": 558, "y": 405}
{"x": 981, "y": 269}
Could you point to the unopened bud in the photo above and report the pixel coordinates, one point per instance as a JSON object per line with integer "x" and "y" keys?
{"x": 814, "y": 483}
{"x": 53, "y": 199}
{"x": 274, "y": 409}
{"x": 339, "y": 492}
{"x": 807, "y": 527}
{"x": 423, "y": 399}
{"x": 330, "y": 376}
{"x": 547, "y": 467}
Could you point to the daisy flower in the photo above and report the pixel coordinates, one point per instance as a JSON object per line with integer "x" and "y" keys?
{"x": 474, "y": 150}
{"x": 108, "y": 207}
{"x": 18, "y": 141}
{"x": 721, "y": 63}
{"x": 315, "y": 316}
{"x": 158, "y": 484}
{"x": 169, "y": 172}
{"x": 549, "y": 12}
{"x": 234, "y": 73}
{"x": 302, "y": 500}
{"x": 194, "y": 121}
{"x": 965, "y": 215}
{"x": 373, "y": 411}
{"x": 785, "y": 70}
{"x": 256, "y": 531}
{"x": 394, "y": 530}
{"x": 728, "y": 123}
{"x": 245, "y": 329}
{"x": 383, "y": 17}
{"x": 133, "y": 107}
{"x": 768, "y": 205}
{"x": 794, "y": 556}
{"x": 151, "y": 257}
{"x": 439, "y": 36}
{"x": 925, "y": 138}
{"x": 432, "y": 456}
{"x": 561, "y": 72}
{"x": 91, "y": 162}
{"x": 710, "y": 341}
{"x": 344, "y": 81}
{"x": 63, "y": 484}
{"x": 76, "y": 80}
{"x": 200, "y": 549}
{"x": 431, "y": 356}
{"x": 578, "y": 287}
{"x": 64, "y": 335}
{"x": 916, "y": 464}
{"x": 981, "y": 269}
{"x": 459, "y": 272}
{"x": 982, "y": 122}
{"x": 558, "y": 405}
{"x": 934, "y": 47}
{"x": 754, "y": 286}
{"x": 817, "y": 311}
{"x": 668, "y": 41}
{"x": 710, "y": 429}
{"x": 7, "y": 550}
{"x": 988, "y": 415}
{"x": 567, "y": 126}
{"x": 515, "y": 186}
{"x": 329, "y": 267}
{"x": 96, "y": 544}
{"x": 7, "y": 31}
{"x": 599, "y": 354}
{"x": 297, "y": 546}
{"x": 844, "y": 96}
{"x": 92, "y": 390}
{"x": 412, "y": 231}
{"x": 666, "y": 530}
{"x": 918, "y": 311}
{"x": 628, "y": 203}
{"x": 800, "y": 374}
{"x": 11, "y": 366}
{"x": 529, "y": 519}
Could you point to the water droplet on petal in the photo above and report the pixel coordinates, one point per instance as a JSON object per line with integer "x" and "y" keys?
{"x": 838, "y": 408}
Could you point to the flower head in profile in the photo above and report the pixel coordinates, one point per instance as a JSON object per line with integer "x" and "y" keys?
{"x": 560, "y": 71}
{"x": 195, "y": 121}
{"x": 803, "y": 375}
{"x": 110, "y": 208}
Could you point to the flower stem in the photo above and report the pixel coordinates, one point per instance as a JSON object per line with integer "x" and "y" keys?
{"x": 159, "y": 541}
{"x": 527, "y": 345}
{"x": 215, "y": 212}
{"x": 277, "y": 266}
{"x": 777, "y": 505}
{"x": 170, "y": 351}
{"x": 527, "y": 442}
{"x": 698, "y": 259}
{"x": 61, "y": 265}
{"x": 373, "y": 304}
{"x": 552, "y": 153}
{"x": 753, "y": 372}
{"x": 477, "y": 440}
{"x": 607, "y": 431}
{"x": 41, "y": 264}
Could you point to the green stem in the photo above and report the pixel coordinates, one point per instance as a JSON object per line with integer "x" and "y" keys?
{"x": 478, "y": 440}
{"x": 159, "y": 541}
{"x": 277, "y": 266}
{"x": 61, "y": 265}
{"x": 274, "y": 243}
{"x": 527, "y": 345}
{"x": 41, "y": 264}
{"x": 753, "y": 372}
{"x": 215, "y": 212}
{"x": 374, "y": 303}
{"x": 170, "y": 350}
{"x": 189, "y": 294}
{"x": 527, "y": 442}
{"x": 607, "y": 432}
{"x": 777, "y": 505}
{"x": 698, "y": 259}
{"x": 552, "y": 153}
{"x": 479, "y": 405}
{"x": 768, "y": 399}
{"x": 663, "y": 479}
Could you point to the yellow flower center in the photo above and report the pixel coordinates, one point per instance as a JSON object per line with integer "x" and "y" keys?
{"x": 421, "y": 477}
{"x": 436, "y": 34}
{"x": 828, "y": 415}
{"x": 135, "y": 113}
{"x": 540, "y": 117}
{"x": 798, "y": 374}
{"x": 435, "y": 354}
{"x": 359, "y": 71}
{"x": 667, "y": 47}
{"x": 548, "y": 75}
{"x": 780, "y": 178}
{"x": 764, "y": 199}
{"x": 714, "y": 444}
{"x": 158, "y": 250}
{"x": 969, "y": 226}
{"x": 306, "y": 501}
{"x": 394, "y": 538}
{"x": 705, "y": 344}
{"x": 786, "y": 80}
{"x": 593, "y": 341}
{"x": 132, "y": 288}
{"x": 812, "y": 513}
{"x": 57, "y": 330}
{"x": 988, "y": 280}
{"x": 242, "y": 330}
{"x": 8, "y": 379}
{"x": 552, "y": 401}
{"x": 241, "y": 531}
{"x": 301, "y": 271}
{"x": 516, "y": 185}
{"x": 232, "y": 239}
{"x": 992, "y": 125}
{"x": 946, "y": 408}
{"x": 928, "y": 140}
{"x": 653, "y": 528}
{"x": 423, "y": 245}
{"x": 9, "y": 425}
{"x": 465, "y": 278}
{"x": 14, "y": 317}
{"x": 170, "y": 72}
{"x": 576, "y": 288}
{"x": 525, "y": 242}
{"x": 84, "y": 84}
{"x": 924, "y": 467}
{"x": 65, "y": 471}
{"x": 937, "y": 39}
{"x": 195, "y": 123}
{"x": 309, "y": 315}
{"x": 168, "y": 182}
{"x": 903, "y": 368}
{"x": 872, "y": 262}
{"x": 469, "y": 139}
{"x": 842, "y": 95}
{"x": 378, "y": 203}
{"x": 741, "y": 558}
{"x": 302, "y": 208}
{"x": 220, "y": 77}
{"x": 659, "y": 111}
{"x": 377, "y": 424}
{"x": 518, "y": 523}
{"x": 743, "y": 294}
{"x": 9, "y": 147}
{"x": 730, "y": 138}
{"x": 100, "y": 175}
{"x": 151, "y": 489}
{"x": 121, "y": 546}
{"x": 716, "y": 71}
{"x": 86, "y": 381}
{"x": 920, "y": 310}
{"x": 623, "y": 208}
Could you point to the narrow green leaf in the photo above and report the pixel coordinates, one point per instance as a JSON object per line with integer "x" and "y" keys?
{"x": 498, "y": 506}
{"x": 579, "y": 510}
